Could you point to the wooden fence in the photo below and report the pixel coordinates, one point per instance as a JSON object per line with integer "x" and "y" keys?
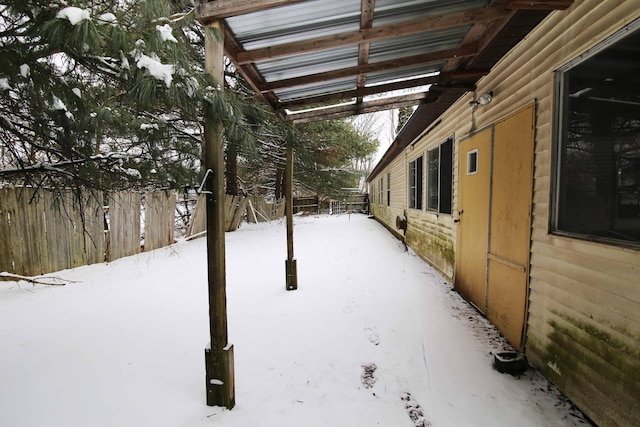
{"x": 261, "y": 210}
{"x": 123, "y": 233}
{"x": 42, "y": 232}
{"x": 306, "y": 204}
{"x": 234, "y": 209}
{"x": 353, "y": 203}
{"x": 159, "y": 219}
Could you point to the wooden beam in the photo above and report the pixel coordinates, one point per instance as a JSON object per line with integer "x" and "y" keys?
{"x": 539, "y": 4}
{"x": 440, "y": 80}
{"x": 409, "y": 61}
{"x": 231, "y": 47}
{"x": 371, "y": 34}
{"x": 367, "y": 12}
{"x": 481, "y": 34}
{"x": 212, "y": 10}
{"x": 219, "y": 373}
{"x": 291, "y": 269}
{"x": 341, "y": 111}
{"x": 489, "y": 33}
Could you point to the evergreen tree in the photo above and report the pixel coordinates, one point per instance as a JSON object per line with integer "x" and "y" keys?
{"x": 106, "y": 94}
{"x": 404, "y": 114}
{"x": 326, "y": 155}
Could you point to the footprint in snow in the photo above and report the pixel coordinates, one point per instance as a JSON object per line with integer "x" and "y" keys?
{"x": 372, "y": 336}
{"x": 367, "y": 377}
{"x": 415, "y": 411}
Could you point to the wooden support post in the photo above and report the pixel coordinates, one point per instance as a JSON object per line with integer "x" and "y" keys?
{"x": 290, "y": 264}
{"x": 219, "y": 355}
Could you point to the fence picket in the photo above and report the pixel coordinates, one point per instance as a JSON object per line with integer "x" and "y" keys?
{"x": 124, "y": 224}
{"x": 43, "y": 232}
{"x": 159, "y": 219}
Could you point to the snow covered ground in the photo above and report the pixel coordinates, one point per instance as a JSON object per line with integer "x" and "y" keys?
{"x": 372, "y": 337}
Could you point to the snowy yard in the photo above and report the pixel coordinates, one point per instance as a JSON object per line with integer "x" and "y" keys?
{"x": 372, "y": 337}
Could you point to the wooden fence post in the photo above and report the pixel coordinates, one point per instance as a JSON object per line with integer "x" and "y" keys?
{"x": 219, "y": 367}
{"x": 290, "y": 263}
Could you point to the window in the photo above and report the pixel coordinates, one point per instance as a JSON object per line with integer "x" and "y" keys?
{"x": 415, "y": 183}
{"x": 380, "y": 194}
{"x": 440, "y": 177}
{"x": 389, "y": 189}
{"x": 472, "y": 162}
{"x": 597, "y": 179}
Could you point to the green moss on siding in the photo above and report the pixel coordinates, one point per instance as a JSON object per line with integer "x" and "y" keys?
{"x": 431, "y": 240}
{"x": 597, "y": 370}
{"x": 611, "y": 353}
{"x": 433, "y": 244}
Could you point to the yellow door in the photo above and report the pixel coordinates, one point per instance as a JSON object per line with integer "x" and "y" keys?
{"x": 509, "y": 243}
{"x": 474, "y": 173}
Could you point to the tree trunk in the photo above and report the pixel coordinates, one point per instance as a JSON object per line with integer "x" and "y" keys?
{"x": 231, "y": 170}
{"x": 279, "y": 184}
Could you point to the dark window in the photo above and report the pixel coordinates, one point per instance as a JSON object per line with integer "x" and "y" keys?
{"x": 440, "y": 177}
{"x": 415, "y": 183}
{"x": 380, "y": 187}
{"x": 597, "y": 193}
{"x": 472, "y": 162}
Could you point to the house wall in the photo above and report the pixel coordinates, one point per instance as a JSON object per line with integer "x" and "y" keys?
{"x": 583, "y": 328}
{"x": 387, "y": 214}
{"x": 584, "y": 303}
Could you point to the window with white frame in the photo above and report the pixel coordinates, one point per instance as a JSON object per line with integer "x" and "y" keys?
{"x": 416, "y": 176}
{"x": 380, "y": 188}
{"x": 389, "y": 189}
{"x": 472, "y": 162}
{"x": 597, "y": 149}
{"x": 440, "y": 177}
{"x": 373, "y": 193}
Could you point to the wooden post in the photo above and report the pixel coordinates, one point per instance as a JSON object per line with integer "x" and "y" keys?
{"x": 219, "y": 355}
{"x": 290, "y": 263}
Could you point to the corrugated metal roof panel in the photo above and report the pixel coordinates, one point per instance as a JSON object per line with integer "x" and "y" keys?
{"x": 402, "y": 73}
{"x": 308, "y": 63}
{"x": 324, "y": 87}
{"x": 295, "y": 22}
{"x": 416, "y": 44}
{"x": 389, "y": 12}
{"x": 386, "y": 57}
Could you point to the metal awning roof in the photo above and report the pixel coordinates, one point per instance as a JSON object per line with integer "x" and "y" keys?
{"x": 361, "y": 56}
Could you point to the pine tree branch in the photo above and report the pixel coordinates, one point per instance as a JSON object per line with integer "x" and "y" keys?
{"x": 59, "y": 166}
{"x": 38, "y": 280}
